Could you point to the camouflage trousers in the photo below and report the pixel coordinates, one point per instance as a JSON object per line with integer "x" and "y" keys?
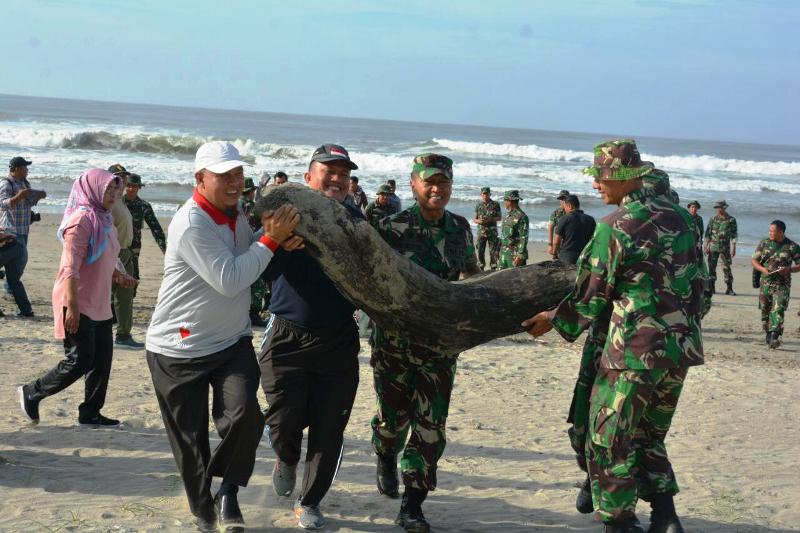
{"x": 412, "y": 398}
{"x": 490, "y": 237}
{"x": 507, "y": 257}
{"x": 727, "y": 273}
{"x": 258, "y": 296}
{"x": 629, "y": 416}
{"x": 773, "y": 302}
{"x": 579, "y": 409}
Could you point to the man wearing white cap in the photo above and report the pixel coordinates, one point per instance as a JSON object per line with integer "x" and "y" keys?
{"x": 200, "y": 337}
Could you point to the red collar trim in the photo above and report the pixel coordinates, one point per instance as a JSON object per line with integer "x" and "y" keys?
{"x": 216, "y": 215}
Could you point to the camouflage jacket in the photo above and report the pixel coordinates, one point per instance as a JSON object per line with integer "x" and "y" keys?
{"x": 515, "y": 232}
{"x": 698, "y": 222}
{"x": 444, "y": 248}
{"x": 142, "y": 212}
{"x": 720, "y": 232}
{"x": 375, "y": 213}
{"x": 774, "y": 255}
{"x": 556, "y": 215}
{"x": 490, "y": 209}
{"x": 642, "y": 262}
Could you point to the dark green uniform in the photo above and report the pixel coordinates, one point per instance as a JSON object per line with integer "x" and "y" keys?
{"x": 720, "y": 233}
{"x": 556, "y": 215}
{"x": 375, "y": 212}
{"x": 515, "y": 238}
{"x": 413, "y": 384}
{"x": 487, "y": 233}
{"x": 773, "y": 296}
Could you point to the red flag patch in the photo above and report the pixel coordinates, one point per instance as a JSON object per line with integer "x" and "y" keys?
{"x": 184, "y": 332}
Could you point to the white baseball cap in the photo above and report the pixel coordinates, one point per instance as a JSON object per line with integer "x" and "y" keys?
{"x": 218, "y": 157}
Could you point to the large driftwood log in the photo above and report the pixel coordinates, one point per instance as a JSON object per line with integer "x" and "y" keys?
{"x": 447, "y": 317}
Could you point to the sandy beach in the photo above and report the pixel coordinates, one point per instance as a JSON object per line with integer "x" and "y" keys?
{"x": 507, "y": 467}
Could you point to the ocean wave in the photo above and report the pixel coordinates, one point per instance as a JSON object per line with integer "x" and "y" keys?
{"x": 697, "y": 163}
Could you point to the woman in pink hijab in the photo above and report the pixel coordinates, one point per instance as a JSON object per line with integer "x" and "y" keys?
{"x": 82, "y": 299}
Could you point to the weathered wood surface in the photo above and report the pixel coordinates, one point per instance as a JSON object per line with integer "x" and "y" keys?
{"x": 448, "y": 317}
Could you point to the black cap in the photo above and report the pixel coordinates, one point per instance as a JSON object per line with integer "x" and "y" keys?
{"x": 333, "y": 152}
{"x": 18, "y": 161}
{"x": 118, "y": 170}
{"x": 135, "y": 179}
{"x": 562, "y": 195}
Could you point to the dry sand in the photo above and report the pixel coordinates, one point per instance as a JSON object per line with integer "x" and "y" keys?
{"x": 507, "y": 467}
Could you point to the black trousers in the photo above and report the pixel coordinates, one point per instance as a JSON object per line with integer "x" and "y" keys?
{"x": 181, "y": 387}
{"x": 87, "y": 352}
{"x": 310, "y": 378}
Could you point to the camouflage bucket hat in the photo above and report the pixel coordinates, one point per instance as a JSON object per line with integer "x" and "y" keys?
{"x": 693, "y": 203}
{"x": 618, "y": 160}
{"x": 427, "y": 165}
{"x": 486, "y": 190}
{"x": 562, "y": 194}
{"x": 722, "y": 203}
{"x": 249, "y": 185}
{"x": 385, "y": 189}
{"x": 513, "y": 194}
{"x": 135, "y": 179}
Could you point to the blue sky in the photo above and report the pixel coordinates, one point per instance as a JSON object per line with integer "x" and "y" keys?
{"x": 723, "y": 70}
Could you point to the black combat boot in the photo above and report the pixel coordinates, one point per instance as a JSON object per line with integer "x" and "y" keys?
{"x": 663, "y": 518}
{"x": 583, "y": 503}
{"x": 630, "y": 525}
{"x": 388, "y": 483}
{"x": 774, "y": 339}
{"x": 729, "y": 290}
{"x": 410, "y": 517}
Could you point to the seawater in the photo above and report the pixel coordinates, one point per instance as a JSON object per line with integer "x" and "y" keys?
{"x": 65, "y": 137}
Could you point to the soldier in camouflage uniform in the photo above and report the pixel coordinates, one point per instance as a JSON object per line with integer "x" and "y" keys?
{"x": 721, "y": 236}
{"x": 555, "y": 216}
{"x": 694, "y": 207}
{"x": 642, "y": 253}
{"x": 514, "y": 242}
{"x": 381, "y": 207}
{"x": 259, "y": 290}
{"x": 773, "y": 258}
{"x": 487, "y": 215}
{"x": 141, "y": 213}
{"x": 412, "y": 383}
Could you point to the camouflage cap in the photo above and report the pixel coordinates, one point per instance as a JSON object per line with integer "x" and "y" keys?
{"x": 512, "y": 194}
{"x": 427, "y": 165}
{"x": 563, "y": 193}
{"x": 722, "y": 203}
{"x": 693, "y": 203}
{"x": 486, "y": 190}
{"x": 118, "y": 170}
{"x": 135, "y": 179}
{"x": 618, "y": 160}
{"x": 385, "y": 189}
{"x": 249, "y": 185}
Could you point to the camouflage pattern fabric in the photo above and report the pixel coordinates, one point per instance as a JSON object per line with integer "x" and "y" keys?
{"x": 555, "y": 216}
{"x": 630, "y": 414}
{"x": 487, "y": 233}
{"x": 413, "y": 384}
{"x": 514, "y": 242}
{"x": 247, "y": 207}
{"x": 412, "y": 398}
{"x": 698, "y": 222}
{"x": 375, "y": 213}
{"x": 259, "y": 296}
{"x": 618, "y": 160}
{"x": 720, "y": 233}
{"x": 645, "y": 256}
{"x": 141, "y": 213}
{"x": 773, "y": 296}
{"x": 698, "y": 227}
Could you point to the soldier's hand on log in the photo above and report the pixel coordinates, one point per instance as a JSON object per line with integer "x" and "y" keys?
{"x": 294, "y": 242}
{"x": 518, "y": 260}
{"x": 279, "y": 224}
{"x": 538, "y": 324}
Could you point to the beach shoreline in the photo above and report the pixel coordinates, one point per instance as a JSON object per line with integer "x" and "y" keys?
{"x": 507, "y": 467}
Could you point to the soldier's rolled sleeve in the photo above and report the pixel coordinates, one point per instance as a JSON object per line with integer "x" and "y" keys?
{"x": 594, "y": 284}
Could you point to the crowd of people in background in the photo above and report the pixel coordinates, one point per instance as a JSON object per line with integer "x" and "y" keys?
{"x": 226, "y": 265}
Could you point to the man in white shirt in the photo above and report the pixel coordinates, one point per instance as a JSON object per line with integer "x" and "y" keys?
{"x": 200, "y": 336}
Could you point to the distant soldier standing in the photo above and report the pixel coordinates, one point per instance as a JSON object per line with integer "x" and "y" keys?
{"x": 694, "y": 207}
{"x": 632, "y": 261}
{"x": 773, "y": 258}
{"x": 514, "y": 244}
{"x": 555, "y": 216}
{"x": 721, "y": 236}
{"x": 487, "y": 215}
{"x": 380, "y": 208}
{"x": 412, "y": 383}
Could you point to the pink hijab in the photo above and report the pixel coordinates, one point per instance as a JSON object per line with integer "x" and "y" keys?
{"x": 87, "y": 196}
